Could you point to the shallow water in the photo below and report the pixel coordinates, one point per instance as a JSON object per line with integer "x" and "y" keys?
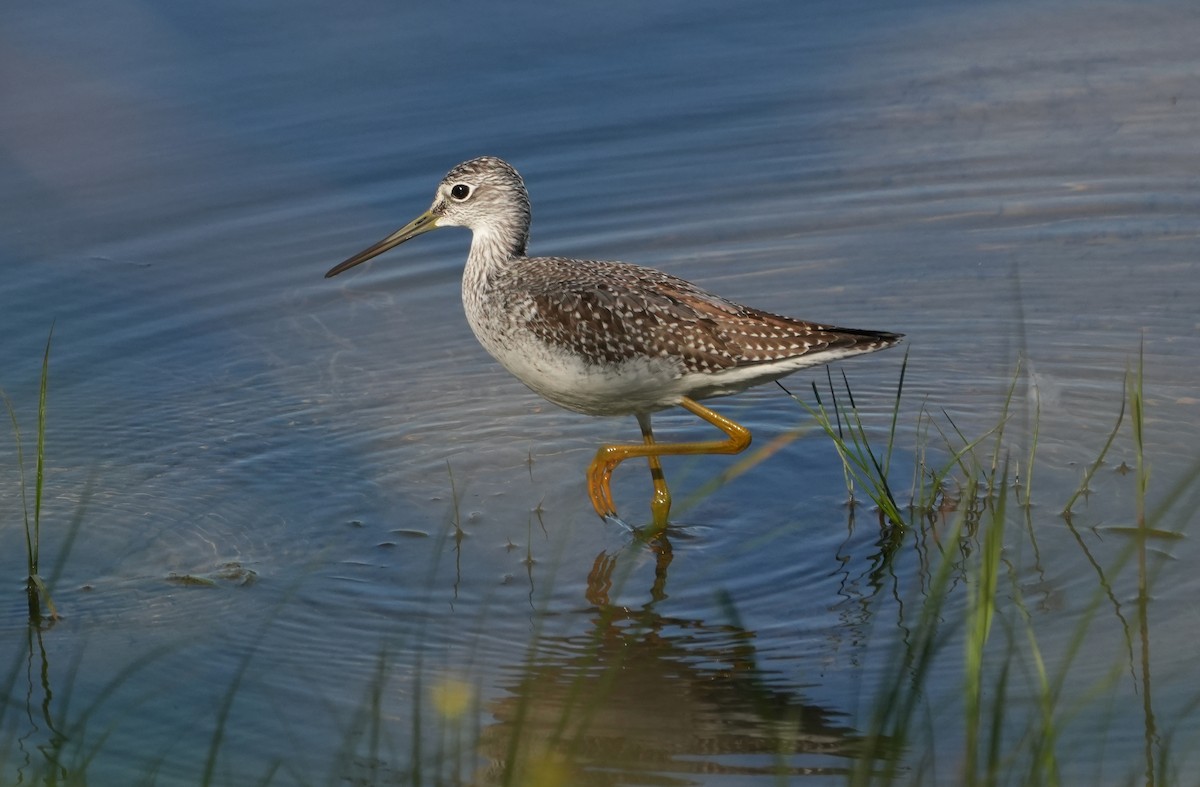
{"x": 282, "y": 483}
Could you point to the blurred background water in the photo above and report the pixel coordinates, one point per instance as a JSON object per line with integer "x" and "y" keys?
{"x": 283, "y": 482}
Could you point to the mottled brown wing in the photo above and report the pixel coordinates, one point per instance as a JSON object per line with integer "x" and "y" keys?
{"x": 757, "y": 337}
{"x": 608, "y": 312}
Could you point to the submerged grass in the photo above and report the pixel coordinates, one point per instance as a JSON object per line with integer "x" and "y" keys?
{"x": 1001, "y": 742}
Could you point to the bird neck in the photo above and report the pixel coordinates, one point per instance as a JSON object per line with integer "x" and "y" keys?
{"x": 497, "y": 244}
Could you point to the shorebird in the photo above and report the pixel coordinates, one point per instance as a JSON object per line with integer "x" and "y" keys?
{"x": 611, "y": 338}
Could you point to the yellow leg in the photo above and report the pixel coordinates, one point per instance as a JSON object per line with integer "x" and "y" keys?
{"x": 609, "y": 456}
{"x": 660, "y": 504}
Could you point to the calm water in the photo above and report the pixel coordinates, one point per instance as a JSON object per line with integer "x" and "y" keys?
{"x": 310, "y": 495}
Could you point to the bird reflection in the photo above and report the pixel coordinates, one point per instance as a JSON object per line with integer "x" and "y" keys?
{"x": 647, "y": 698}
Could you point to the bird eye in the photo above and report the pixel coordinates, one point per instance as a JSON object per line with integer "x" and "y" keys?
{"x": 460, "y": 192}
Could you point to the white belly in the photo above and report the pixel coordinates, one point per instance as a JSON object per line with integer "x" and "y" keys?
{"x": 635, "y": 386}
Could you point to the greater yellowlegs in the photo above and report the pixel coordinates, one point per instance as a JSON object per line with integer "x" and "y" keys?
{"x": 610, "y": 338}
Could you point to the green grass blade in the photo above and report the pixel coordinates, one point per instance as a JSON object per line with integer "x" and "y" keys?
{"x": 43, "y": 387}
{"x": 1091, "y": 471}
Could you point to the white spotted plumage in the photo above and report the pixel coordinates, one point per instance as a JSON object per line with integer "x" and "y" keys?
{"x": 611, "y": 338}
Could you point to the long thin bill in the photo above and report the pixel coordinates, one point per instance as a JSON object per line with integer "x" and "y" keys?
{"x": 420, "y": 225}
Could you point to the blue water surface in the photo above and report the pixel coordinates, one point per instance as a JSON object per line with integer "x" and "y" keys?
{"x": 298, "y": 517}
